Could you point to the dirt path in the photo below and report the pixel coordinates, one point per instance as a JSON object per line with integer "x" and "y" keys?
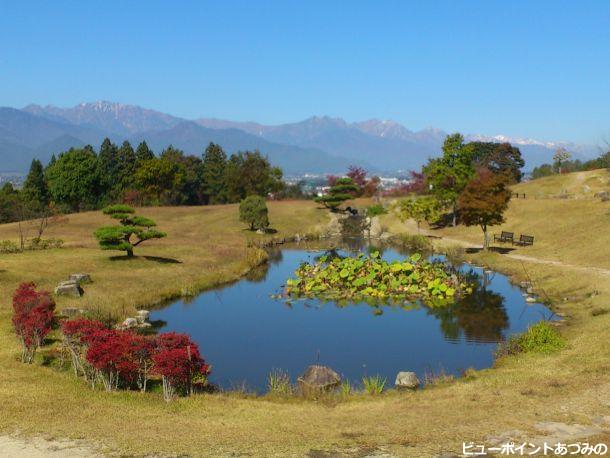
{"x": 37, "y": 447}
{"x": 522, "y": 257}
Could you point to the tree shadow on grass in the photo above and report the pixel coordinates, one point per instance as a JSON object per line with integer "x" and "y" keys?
{"x": 493, "y": 249}
{"x": 158, "y": 259}
{"x": 269, "y": 230}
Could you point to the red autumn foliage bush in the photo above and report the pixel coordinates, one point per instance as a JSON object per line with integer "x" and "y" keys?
{"x": 178, "y": 361}
{"x": 77, "y": 334}
{"x": 33, "y": 318}
{"x": 118, "y": 358}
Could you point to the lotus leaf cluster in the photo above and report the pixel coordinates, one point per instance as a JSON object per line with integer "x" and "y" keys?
{"x": 365, "y": 277}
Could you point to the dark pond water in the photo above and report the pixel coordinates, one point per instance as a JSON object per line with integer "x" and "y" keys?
{"x": 245, "y": 334}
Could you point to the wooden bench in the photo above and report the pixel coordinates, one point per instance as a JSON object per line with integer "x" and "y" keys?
{"x": 504, "y": 237}
{"x": 524, "y": 240}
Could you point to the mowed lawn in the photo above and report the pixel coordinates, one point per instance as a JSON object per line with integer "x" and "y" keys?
{"x": 209, "y": 244}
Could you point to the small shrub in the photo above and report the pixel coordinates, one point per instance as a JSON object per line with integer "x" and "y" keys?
{"x": 435, "y": 378}
{"x": 374, "y": 384}
{"x": 111, "y": 354}
{"x": 375, "y": 210}
{"x": 541, "y": 338}
{"x": 414, "y": 243}
{"x": 279, "y": 383}
{"x": 77, "y": 334}
{"x": 8, "y": 246}
{"x": 508, "y": 347}
{"x": 253, "y": 211}
{"x": 177, "y": 360}
{"x": 33, "y": 318}
{"x": 455, "y": 254}
{"x": 38, "y": 243}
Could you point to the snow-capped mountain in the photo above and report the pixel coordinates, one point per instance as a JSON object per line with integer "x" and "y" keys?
{"x": 316, "y": 144}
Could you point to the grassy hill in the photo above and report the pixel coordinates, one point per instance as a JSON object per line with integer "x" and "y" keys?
{"x": 209, "y": 245}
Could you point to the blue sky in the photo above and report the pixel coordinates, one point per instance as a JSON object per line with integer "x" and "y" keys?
{"x": 528, "y": 68}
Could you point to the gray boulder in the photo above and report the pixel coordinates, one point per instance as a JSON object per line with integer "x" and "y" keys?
{"x": 603, "y": 195}
{"x": 142, "y": 316}
{"x": 129, "y": 323}
{"x": 318, "y": 379}
{"x": 80, "y": 278}
{"x": 69, "y": 288}
{"x": 406, "y": 380}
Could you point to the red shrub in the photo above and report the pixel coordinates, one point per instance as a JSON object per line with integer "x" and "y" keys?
{"x": 112, "y": 354}
{"x": 178, "y": 361}
{"x": 33, "y": 318}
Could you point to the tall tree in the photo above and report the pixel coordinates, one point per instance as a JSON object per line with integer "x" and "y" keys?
{"x": 35, "y": 191}
{"x": 126, "y": 168}
{"x": 158, "y": 178}
{"x": 108, "y": 165}
{"x": 143, "y": 153}
{"x": 448, "y": 175}
{"x": 214, "y": 164}
{"x": 499, "y": 158}
{"x": 425, "y": 208}
{"x": 74, "y": 179}
{"x": 560, "y": 157}
{"x": 484, "y": 200}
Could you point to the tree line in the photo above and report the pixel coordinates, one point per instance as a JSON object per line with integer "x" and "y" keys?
{"x": 562, "y": 163}
{"x": 82, "y": 179}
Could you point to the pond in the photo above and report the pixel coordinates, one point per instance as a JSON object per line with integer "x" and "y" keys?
{"x": 244, "y": 333}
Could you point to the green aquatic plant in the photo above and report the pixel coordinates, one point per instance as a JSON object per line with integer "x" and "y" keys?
{"x": 364, "y": 278}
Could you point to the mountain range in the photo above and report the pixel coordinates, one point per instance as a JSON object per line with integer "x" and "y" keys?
{"x": 314, "y": 145}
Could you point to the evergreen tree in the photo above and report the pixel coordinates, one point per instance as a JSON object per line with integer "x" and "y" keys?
{"x": 35, "y": 191}
{"x": 132, "y": 231}
{"x": 108, "y": 168}
{"x": 343, "y": 189}
{"x": 143, "y": 153}
{"x": 126, "y": 168}
{"x": 214, "y": 164}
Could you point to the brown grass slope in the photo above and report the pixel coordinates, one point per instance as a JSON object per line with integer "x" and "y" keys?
{"x": 571, "y": 386}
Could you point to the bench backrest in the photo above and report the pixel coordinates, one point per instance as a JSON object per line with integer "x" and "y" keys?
{"x": 526, "y": 238}
{"x": 507, "y": 235}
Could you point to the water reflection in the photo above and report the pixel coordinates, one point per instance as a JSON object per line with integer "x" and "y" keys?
{"x": 245, "y": 333}
{"x": 478, "y": 317}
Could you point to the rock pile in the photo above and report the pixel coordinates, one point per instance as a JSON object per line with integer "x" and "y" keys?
{"x": 72, "y": 287}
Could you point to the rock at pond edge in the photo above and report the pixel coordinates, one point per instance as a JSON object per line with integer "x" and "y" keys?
{"x": 406, "y": 380}
{"x": 317, "y": 379}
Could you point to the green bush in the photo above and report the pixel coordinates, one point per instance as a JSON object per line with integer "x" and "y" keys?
{"x": 539, "y": 338}
{"x": 375, "y": 210}
{"x": 8, "y": 246}
{"x": 414, "y": 243}
{"x": 253, "y": 211}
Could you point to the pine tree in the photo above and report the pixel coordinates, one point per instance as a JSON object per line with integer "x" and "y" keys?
{"x": 35, "y": 190}
{"x": 108, "y": 164}
{"x": 143, "y": 153}
{"x": 126, "y": 161}
{"x": 214, "y": 164}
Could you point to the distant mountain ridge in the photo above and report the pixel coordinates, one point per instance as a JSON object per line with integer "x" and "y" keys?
{"x": 319, "y": 144}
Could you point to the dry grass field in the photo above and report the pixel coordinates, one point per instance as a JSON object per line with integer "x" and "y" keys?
{"x": 207, "y": 245}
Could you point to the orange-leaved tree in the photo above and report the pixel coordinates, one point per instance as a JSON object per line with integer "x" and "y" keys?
{"x": 484, "y": 200}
